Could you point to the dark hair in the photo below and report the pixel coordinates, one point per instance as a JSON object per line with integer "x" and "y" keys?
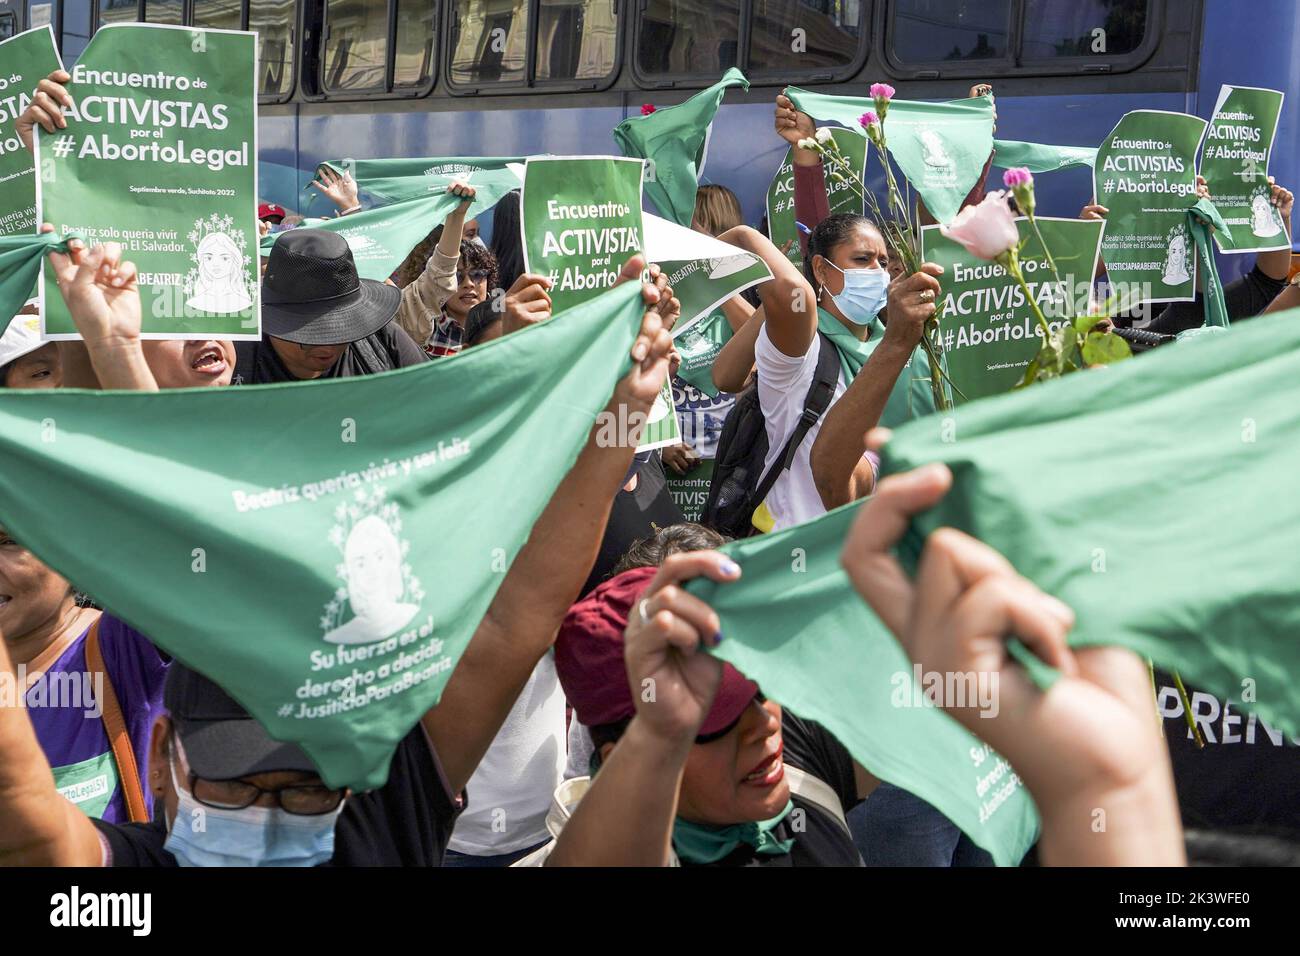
{"x": 417, "y": 259}
{"x": 474, "y": 256}
{"x": 4, "y": 372}
{"x": 831, "y": 232}
{"x": 650, "y": 552}
{"x": 481, "y": 318}
{"x": 506, "y": 246}
{"x": 603, "y": 734}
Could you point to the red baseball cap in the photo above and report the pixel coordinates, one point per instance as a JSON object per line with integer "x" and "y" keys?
{"x": 589, "y": 659}
{"x": 268, "y": 209}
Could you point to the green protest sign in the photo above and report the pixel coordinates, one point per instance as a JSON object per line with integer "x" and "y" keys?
{"x": 940, "y": 147}
{"x": 989, "y": 330}
{"x": 1032, "y": 473}
{"x": 781, "y": 228}
{"x": 703, "y": 272}
{"x": 690, "y": 491}
{"x": 799, "y": 630}
{"x": 675, "y": 141}
{"x": 382, "y": 237}
{"x": 160, "y": 155}
{"x": 1145, "y": 174}
{"x": 1234, "y": 162}
{"x": 581, "y": 221}
{"x": 347, "y": 577}
{"x": 28, "y": 58}
{"x": 394, "y": 180}
{"x": 699, "y": 347}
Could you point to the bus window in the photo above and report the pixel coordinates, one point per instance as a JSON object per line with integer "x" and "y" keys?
{"x": 576, "y": 39}
{"x": 118, "y": 11}
{"x": 688, "y": 37}
{"x": 413, "y": 58}
{"x": 273, "y": 21}
{"x": 8, "y": 25}
{"x": 356, "y": 44}
{"x": 164, "y": 11}
{"x": 489, "y": 41}
{"x": 219, "y": 14}
{"x": 827, "y": 36}
{"x": 1056, "y": 28}
{"x": 76, "y": 28}
{"x": 933, "y": 31}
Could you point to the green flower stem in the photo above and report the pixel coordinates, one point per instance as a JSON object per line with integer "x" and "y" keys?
{"x": 1033, "y": 224}
{"x": 1012, "y": 265}
{"x": 1187, "y": 711}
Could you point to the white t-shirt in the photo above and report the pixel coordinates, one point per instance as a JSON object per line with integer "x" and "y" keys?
{"x": 511, "y": 790}
{"x": 783, "y": 384}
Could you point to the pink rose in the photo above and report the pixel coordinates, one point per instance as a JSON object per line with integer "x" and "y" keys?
{"x": 647, "y": 109}
{"x": 882, "y": 91}
{"x": 987, "y": 230}
{"x": 1020, "y": 176}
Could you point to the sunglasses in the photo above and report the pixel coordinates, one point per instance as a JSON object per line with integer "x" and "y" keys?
{"x": 475, "y": 275}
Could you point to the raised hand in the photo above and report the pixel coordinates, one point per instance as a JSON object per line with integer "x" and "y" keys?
{"x": 912, "y": 303}
{"x": 1089, "y": 742}
{"x": 339, "y": 188}
{"x": 662, "y": 642}
{"x": 525, "y": 303}
{"x": 100, "y": 290}
{"x": 792, "y": 125}
{"x": 46, "y": 108}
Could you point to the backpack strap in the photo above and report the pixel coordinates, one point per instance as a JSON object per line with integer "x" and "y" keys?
{"x": 115, "y": 727}
{"x": 818, "y": 792}
{"x": 820, "y": 395}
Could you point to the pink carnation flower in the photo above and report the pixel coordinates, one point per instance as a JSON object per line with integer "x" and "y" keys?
{"x": 869, "y": 118}
{"x": 1020, "y": 176}
{"x": 987, "y": 230}
{"x": 647, "y": 109}
{"x": 882, "y": 91}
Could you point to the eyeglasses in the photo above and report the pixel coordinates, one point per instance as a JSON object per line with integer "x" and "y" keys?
{"x": 306, "y": 800}
{"x": 475, "y": 275}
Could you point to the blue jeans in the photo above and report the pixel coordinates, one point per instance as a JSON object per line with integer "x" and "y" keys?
{"x": 894, "y": 828}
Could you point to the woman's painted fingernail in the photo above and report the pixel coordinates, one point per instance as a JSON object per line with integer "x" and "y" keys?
{"x": 717, "y": 639}
{"x": 729, "y": 568}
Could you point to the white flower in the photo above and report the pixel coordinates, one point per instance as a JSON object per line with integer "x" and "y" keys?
{"x": 824, "y": 135}
{"x": 807, "y": 142}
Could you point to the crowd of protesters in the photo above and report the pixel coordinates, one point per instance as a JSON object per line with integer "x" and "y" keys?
{"x": 540, "y": 720}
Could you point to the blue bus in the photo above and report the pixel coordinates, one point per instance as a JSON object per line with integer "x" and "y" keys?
{"x": 376, "y": 78}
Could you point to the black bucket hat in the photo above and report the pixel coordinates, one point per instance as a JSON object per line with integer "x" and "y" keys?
{"x": 312, "y": 295}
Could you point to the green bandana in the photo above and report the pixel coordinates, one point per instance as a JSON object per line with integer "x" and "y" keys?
{"x": 1200, "y": 218}
{"x": 675, "y": 139}
{"x": 1147, "y": 566}
{"x": 697, "y": 843}
{"x": 322, "y": 556}
{"x": 910, "y": 397}
{"x": 1040, "y": 157}
{"x": 796, "y": 626}
{"x": 20, "y": 266}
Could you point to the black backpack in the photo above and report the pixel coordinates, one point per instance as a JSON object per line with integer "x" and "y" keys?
{"x": 736, "y": 488}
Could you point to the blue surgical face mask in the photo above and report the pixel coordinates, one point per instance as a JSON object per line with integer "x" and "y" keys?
{"x": 254, "y": 836}
{"x": 864, "y": 295}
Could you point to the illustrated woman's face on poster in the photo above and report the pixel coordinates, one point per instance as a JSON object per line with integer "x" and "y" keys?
{"x": 218, "y": 257}
{"x": 374, "y": 561}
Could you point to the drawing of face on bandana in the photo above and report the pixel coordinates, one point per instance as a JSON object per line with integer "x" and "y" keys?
{"x": 1175, "y": 268}
{"x": 935, "y": 154}
{"x": 729, "y": 265}
{"x": 1263, "y": 223}
{"x": 379, "y": 587}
